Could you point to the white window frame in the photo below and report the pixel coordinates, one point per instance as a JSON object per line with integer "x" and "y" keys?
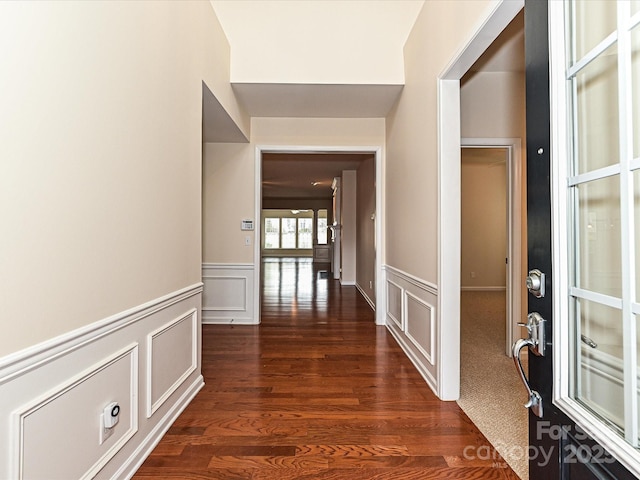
{"x": 622, "y": 449}
{"x": 297, "y": 234}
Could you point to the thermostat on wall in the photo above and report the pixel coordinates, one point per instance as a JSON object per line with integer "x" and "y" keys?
{"x": 247, "y": 225}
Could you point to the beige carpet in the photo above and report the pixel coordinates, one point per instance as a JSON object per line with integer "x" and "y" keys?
{"x": 491, "y": 392}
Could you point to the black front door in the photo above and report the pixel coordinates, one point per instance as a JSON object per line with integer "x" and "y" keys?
{"x": 591, "y": 248}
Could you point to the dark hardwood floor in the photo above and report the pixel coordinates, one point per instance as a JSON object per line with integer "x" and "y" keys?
{"x": 317, "y": 391}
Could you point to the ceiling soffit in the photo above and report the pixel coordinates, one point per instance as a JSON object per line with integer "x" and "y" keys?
{"x": 317, "y": 101}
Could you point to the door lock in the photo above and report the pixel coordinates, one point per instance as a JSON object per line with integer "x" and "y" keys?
{"x": 535, "y": 283}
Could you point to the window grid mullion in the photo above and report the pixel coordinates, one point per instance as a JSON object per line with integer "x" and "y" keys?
{"x": 627, "y": 232}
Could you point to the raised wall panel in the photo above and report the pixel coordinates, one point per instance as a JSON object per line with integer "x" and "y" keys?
{"x": 58, "y": 435}
{"x": 228, "y": 293}
{"x": 172, "y": 351}
{"x": 225, "y": 293}
{"x": 421, "y": 326}
{"x": 394, "y": 304}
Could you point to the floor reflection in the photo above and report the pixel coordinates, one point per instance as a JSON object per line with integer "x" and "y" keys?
{"x": 295, "y": 287}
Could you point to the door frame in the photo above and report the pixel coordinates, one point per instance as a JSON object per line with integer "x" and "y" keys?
{"x": 513, "y": 146}
{"x": 380, "y": 306}
{"x": 449, "y": 139}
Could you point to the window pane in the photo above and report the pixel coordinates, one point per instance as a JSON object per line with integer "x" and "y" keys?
{"x": 599, "y": 350}
{"x": 305, "y": 233}
{"x": 635, "y": 88}
{"x": 597, "y": 113}
{"x": 288, "y": 233}
{"x": 598, "y": 265}
{"x": 595, "y": 20}
{"x": 636, "y": 209}
{"x": 271, "y": 233}
{"x": 322, "y": 227}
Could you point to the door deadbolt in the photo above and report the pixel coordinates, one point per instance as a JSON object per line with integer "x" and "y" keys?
{"x": 535, "y": 283}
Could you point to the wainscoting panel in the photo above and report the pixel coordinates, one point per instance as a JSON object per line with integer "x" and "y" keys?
{"x": 228, "y": 293}
{"x": 394, "y": 304}
{"x": 421, "y": 327}
{"x": 43, "y": 425}
{"x": 52, "y": 395}
{"x": 412, "y": 319}
{"x": 169, "y": 362}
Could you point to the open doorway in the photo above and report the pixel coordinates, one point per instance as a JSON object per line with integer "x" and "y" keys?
{"x": 490, "y": 391}
{"x": 336, "y": 188}
{"x": 496, "y": 264}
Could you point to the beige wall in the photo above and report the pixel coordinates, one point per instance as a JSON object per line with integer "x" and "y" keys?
{"x": 316, "y": 41}
{"x": 492, "y": 104}
{"x": 348, "y": 227}
{"x": 412, "y": 147}
{"x": 230, "y": 176}
{"x": 365, "y": 237}
{"x": 484, "y": 222}
{"x": 100, "y": 140}
{"x": 227, "y": 199}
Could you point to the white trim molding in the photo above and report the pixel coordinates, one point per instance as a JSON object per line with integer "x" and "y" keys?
{"x": 366, "y": 297}
{"x": 168, "y": 359}
{"x": 497, "y": 17}
{"x": 65, "y": 384}
{"x": 229, "y": 293}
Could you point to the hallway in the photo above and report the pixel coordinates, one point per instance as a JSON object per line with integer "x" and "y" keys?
{"x": 317, "y": 391}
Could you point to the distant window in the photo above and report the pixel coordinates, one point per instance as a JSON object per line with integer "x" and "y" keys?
{"x": 271, "y": 233}
{"x": 305, "y": 233}
{"x": 322, "y": 227}
{"x": 288, "y": 232}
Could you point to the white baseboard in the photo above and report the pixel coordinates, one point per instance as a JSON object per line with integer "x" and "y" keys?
{"x": 133, "y": 463}
{"x": 416, "y": 360}
{"x": 483, "y": 289}
{"x": 213, "y": 320}
{"x": 366, "y": 297}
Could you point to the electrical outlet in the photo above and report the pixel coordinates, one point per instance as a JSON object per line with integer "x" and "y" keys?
{"x": 473, "y": 274}
{"x": 104, "y": 431}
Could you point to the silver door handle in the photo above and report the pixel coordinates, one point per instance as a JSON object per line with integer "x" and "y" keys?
{"x": 586, "y": 340}
{"x": 535, "y": 400}
{"x": 536, "y": 340}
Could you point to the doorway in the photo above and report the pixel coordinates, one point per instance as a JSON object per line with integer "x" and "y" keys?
{"x": 490, "y": 390}
{"x": 319, "y": 159}
{"x": 499, "y": 156}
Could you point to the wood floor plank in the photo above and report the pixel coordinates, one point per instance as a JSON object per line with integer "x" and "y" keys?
{"x": 317, "y": 391}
